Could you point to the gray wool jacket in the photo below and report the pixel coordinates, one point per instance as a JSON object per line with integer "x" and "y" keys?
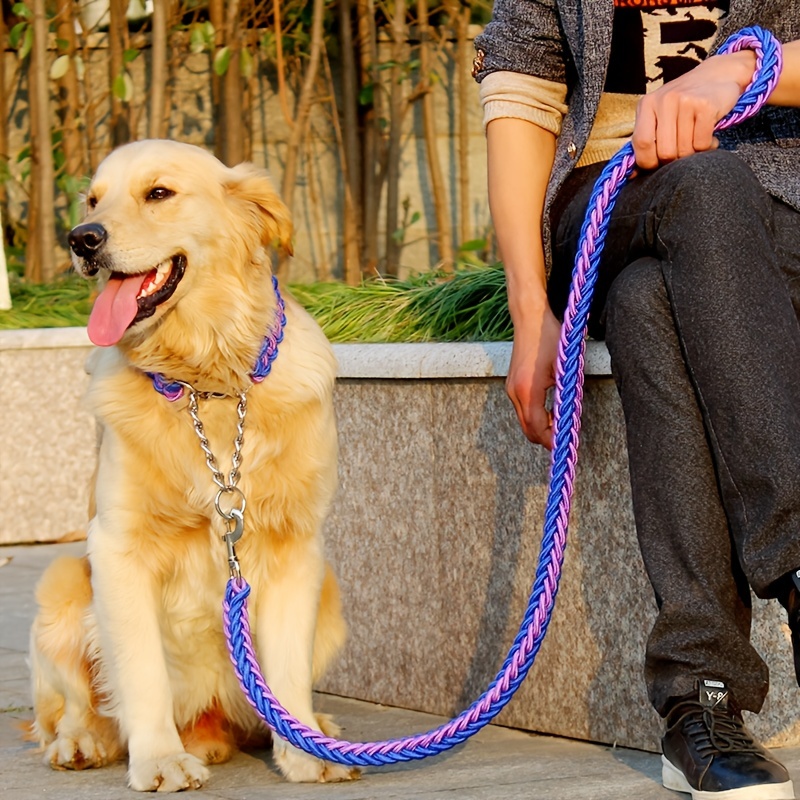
{"x": 570, "y": 41}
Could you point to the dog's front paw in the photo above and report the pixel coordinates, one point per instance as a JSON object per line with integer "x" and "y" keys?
{"x": 299, "y": 767}
{"x": 78, "y": 750}
{"x": 172, "y": 773}
{"x": 335, "y": 773}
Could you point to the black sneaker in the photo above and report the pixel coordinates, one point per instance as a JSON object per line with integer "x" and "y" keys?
{"x": 710, "y": 754}
{"x": 789, "y": 596}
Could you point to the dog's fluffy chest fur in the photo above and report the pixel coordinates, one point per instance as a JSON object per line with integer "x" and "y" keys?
{"x": 166, "y": 483}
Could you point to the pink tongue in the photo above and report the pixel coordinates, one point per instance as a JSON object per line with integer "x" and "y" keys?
{"x": 114, "y": 310}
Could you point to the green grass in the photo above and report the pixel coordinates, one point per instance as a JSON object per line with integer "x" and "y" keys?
{"x": 468, "y": 306}
{"x": 429, "y": 307}
{"x": 64, "y": 303}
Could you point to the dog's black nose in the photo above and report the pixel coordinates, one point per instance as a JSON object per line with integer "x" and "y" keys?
{"x": 85, "y": 240}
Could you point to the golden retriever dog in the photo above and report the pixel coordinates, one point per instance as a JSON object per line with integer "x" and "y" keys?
{"x": 127, "y": 650}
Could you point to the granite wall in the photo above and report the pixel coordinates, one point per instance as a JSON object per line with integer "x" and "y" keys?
{"x": 434, "y": 534}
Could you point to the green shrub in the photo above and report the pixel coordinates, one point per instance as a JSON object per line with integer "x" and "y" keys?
{"x": 469, "y": 305}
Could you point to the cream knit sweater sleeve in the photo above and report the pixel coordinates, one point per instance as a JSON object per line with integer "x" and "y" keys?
{"x": 514, "y": 94}
{"x": 543, "y": 102}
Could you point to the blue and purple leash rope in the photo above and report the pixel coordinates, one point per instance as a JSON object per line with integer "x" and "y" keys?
{"x": 566, "y": 426}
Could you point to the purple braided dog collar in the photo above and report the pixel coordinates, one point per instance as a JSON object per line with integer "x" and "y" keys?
{"x": 173, "y": 390}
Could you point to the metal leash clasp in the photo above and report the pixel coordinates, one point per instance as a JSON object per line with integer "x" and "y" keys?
{"x": 235, "y": 530}
{"x": 234, "y": 522}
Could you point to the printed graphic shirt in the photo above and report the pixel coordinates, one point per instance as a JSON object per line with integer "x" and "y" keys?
{"x": 656, "y": 41}
{"x": 653, "y": 42}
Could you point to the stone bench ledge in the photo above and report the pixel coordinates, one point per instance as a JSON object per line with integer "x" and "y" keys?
{"x": 361, "y": 361}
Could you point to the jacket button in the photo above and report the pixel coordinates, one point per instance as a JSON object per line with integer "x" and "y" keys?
{"x": 477, "y": 63}
{"x": 572, "y": 149}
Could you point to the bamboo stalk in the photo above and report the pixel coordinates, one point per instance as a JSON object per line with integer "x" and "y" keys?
{"x": 397, "y": 104}
{"x": 440, "y": 202}
{"x": 4, "y": 147}
{"x": 216, "y": 14}
{"x": 280, "y": 65}
{"x": 303, "y": 110}
{"x": 5, "y": 291}
{"x": 233, "y": 142}
{"x": 349, "y": 102}
{"x": 372, "y": 158}
{"x": 117, "y": 36}
{"x": 352, "y": 261}
{"x": 463, "y": 85}
{"x": 42, "y": 170}
{"x": 158, "y": 69}
{"x": 322, "y": 265}
{"x": 89, "y": 103}
{"x": 69, "y": 93}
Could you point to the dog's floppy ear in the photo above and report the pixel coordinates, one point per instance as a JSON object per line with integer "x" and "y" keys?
{"x": 249, "y": 183}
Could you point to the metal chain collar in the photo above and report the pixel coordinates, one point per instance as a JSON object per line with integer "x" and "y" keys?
{"x": 234, "y": 518}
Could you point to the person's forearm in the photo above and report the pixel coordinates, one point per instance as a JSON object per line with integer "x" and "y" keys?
{"x": 787, "y": 92}
{"x": 520, "y": 158}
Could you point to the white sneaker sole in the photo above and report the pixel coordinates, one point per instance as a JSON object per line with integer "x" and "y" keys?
{"x": 674, "y": 779}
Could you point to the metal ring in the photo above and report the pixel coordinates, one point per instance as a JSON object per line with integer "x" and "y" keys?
{"x": 229, "y": 490}
{"x": 187, "y": 386}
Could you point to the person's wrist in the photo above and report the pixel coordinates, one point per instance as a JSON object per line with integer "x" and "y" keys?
{"x": 526, "y": 288}
{"x": 530, "y": 298}
{"x": 528, "y": 320}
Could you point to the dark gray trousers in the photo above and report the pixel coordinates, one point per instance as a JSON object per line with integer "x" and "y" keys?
{"x": 698, "y": 299}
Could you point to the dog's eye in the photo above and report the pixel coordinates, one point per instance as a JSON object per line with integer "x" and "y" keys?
{"x": 159, "y": 193}
{"x": 91, "y": 201}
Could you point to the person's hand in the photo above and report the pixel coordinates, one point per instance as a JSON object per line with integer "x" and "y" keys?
{"x": 678, "y": 119}
{"x": 532, "y": 372}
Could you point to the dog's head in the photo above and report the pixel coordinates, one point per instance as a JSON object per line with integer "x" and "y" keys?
{"x": 165, "y": 219}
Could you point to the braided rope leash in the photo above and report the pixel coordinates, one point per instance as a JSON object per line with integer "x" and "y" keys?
{"x": 566, "y": 413}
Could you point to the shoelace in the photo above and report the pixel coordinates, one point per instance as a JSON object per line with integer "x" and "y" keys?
{"x": 716, "y": 730}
